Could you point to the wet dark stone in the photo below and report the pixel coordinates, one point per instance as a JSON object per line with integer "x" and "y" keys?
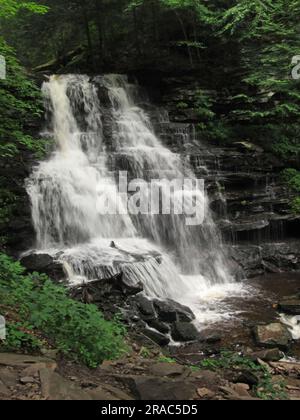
{"x": 145, "y": 307}
{"x": 291, "y": 307}
{"x": 170, "y": 311}
{"x": 184, "y": 332}
{"x": 159, "y": 326}
{"x": 104, "y": 290}
{"x": 157, "y": 337}
{"x": 44, "y": 263}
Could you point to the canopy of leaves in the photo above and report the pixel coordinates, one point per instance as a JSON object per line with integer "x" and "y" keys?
{"x": 9, "y": 8}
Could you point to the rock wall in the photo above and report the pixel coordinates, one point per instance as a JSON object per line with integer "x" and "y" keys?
{"x": 250, "y": 201}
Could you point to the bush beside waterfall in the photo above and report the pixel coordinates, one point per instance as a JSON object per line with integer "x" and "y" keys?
{"x": 39, "y": 312}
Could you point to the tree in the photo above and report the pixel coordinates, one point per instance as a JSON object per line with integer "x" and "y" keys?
{"x": 9, "y": 8}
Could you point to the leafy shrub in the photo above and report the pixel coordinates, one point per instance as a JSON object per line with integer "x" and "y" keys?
{"x": 265, "y": 389}
{"x": 20, "y": 339}
{"x": 76, "y": 329}
{"x": 292, "y": 178}
{"x": 295, "y": 205}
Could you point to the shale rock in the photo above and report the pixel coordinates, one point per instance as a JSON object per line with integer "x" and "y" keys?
{"x": 56, "y": 388}
{"x": 100, "y": 291}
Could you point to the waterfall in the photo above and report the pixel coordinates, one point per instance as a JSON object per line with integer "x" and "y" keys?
{"x": 98, "y": 125}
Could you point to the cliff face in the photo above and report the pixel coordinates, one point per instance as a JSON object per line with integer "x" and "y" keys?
{"x": 251, "y": 202}
{"x": 16, "y": 229}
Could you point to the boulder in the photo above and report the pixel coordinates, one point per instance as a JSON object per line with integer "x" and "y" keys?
{"x": 184, "y": 332}
{"x": 273, "y": 335}
{"x": 44, "y": 263}
{"x": 145, "y": 307}
{"x": 170, "y": 311}
{"x": 272, "y": 355}
{"x": 157, "y": 337}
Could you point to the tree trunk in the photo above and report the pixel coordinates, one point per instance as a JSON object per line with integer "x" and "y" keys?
{"x": 88, "y": 36}
{"x": 185, "y": 37}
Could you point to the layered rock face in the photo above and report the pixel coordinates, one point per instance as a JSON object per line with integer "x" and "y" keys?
{"x": 250, "y": 201}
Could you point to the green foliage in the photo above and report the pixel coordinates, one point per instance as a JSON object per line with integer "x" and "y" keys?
{"x": 292, "y": 178}
{"x": 76, "y": 329}
{"x": 182, "y": 105}
{"x": 20, "y": 340}
{"x": 20, "y": 110}
{"x": 165, "y": 359}
{"x": 9, "y": 8}
{"x": 295, "y": 205}
{"x": 228, "y": 360}
{"x": 20, "y": 105}
{"x": 203, "y": 105}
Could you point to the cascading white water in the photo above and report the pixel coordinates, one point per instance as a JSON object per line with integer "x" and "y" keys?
{"x": 173, "y": 260}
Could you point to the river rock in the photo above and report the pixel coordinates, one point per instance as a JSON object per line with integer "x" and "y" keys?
{"x": 44, "y": 263}
{"x": 170, "y": 311}
{"x": 291, "y": 307}
{"x": 273, "y": 335}
{"x": 272, "y": 355}
{"x": 184, "y": 332}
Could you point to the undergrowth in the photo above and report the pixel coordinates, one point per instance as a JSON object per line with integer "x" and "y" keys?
{"x": 36, "y": 310}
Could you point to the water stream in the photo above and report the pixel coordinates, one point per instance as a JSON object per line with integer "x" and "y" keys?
{"x": 100, "y": 129}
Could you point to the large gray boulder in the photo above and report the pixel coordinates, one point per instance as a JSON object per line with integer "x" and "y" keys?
{"x": 273, "y": 335}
